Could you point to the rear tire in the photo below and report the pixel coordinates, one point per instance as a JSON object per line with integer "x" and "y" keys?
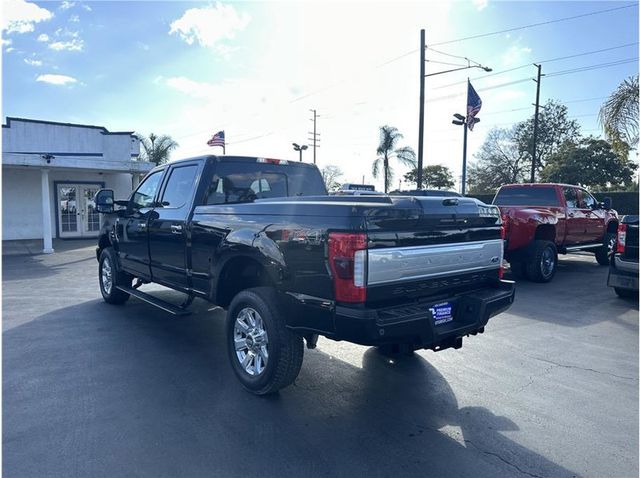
{"x": 603, "y": 254}
{"x": 543, "y": 263}
{"x": 626, "y": 293}
{"x": 110, "y": 277}
{"x": 264, "y": 354}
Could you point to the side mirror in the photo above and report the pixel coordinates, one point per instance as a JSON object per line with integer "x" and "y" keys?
{"x": 606, "y": 204}
{"x": 104, "y": 201}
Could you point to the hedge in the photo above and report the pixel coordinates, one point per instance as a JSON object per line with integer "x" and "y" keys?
{"x": 624, "y": 202}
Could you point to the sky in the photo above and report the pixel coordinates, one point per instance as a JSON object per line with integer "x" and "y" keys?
{"x": 256, "y": 69}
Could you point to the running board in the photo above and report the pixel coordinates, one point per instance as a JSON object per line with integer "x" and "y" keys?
{"x": 583, "y": 246}
{"x": 159, "y": 303}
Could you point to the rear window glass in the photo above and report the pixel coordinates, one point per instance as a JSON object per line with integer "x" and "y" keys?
{"x": 526, "y": 196}
{"x": 245, "y": 182}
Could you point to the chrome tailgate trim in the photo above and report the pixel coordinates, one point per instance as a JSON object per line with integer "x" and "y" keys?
{"x": 400, "y": 264}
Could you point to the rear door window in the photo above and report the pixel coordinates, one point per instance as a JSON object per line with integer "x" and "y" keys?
{"x": 527, "y": 196}
{"x": 180, "y": 186}
{"x": 570, "y": 197}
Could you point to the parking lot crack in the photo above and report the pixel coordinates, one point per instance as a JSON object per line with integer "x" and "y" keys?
{"x": 504, "y": 460}
{"x": 587, "y": 369}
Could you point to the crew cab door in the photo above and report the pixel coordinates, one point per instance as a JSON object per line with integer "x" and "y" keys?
{"x": 168, "y": 228}
{"x": 575, "y": 224}
{"x": 132, "y": 227}
{"x": 594, "y": 217}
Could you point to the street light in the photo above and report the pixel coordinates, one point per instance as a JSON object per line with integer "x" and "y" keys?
{"x": 297, "y": 147}
{"x": 423, "y": 61}
{"x": 462, "y": 121}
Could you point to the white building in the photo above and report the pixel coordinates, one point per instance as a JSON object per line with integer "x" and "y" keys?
{"x": 51, "y": 172}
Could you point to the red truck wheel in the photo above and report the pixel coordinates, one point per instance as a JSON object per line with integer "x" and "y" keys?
{"x": 603, "y": 254}
{"x": 543, "y": 263}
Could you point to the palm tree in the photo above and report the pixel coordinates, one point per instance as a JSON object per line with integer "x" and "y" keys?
{"x": 619, "y": 115}
{"x": 389, "y": 137}
{"x": 156, "y": 149}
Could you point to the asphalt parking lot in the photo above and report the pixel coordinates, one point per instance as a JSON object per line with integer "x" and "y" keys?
{"x": 90, "y": 390}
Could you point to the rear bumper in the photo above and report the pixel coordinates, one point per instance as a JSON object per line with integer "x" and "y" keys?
{"x": 623, "y": 274}
{"x": 414, "y": 323}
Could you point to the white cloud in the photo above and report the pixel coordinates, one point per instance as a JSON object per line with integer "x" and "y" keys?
{"x": 57, "y": 79}
{"x": 6, "y": 42}
{"x": 74, "y": 19}
{"x": 210, "y": 25}
{"x": 66, "y": 5}
{"x": 515, "y": 54}
{"x": 9, "y": 50}
{"x": 87, "y": 8}
{"x": 31, "y": 62}
{"x": 20, "y": 16}
{"x": 73, "y": 45}
{"x": 480, "y": 4}
{"x": 43, "y": 37}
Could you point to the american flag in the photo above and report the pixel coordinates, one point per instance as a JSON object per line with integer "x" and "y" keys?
{"x": 474, "y": 103}
{"x": 217, "y": 139}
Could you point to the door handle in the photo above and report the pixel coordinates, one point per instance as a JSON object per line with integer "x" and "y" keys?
{"x": 176, "y": 229}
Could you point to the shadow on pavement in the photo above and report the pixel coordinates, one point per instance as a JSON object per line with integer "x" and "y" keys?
{"x": 99, "y": 390}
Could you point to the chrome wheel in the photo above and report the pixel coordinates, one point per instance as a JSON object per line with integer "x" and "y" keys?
{"x": 547, "y": 262}
{"x": 251, "y": 341}
{"x": 107, "y": 276}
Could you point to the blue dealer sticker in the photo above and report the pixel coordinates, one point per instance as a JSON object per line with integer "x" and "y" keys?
{"x": 442, "y": 313}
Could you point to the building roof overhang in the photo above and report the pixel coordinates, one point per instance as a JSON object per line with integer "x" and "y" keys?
{"x": 79, "y": 162}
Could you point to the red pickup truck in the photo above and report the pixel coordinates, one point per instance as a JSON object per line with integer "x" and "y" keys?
{"x": 544, "y": 220}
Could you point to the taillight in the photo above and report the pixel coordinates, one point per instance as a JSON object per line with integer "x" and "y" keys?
{"x": 505, "y": 227}
{"x": 347, "y": 260}
{"x": 622, "y": 238}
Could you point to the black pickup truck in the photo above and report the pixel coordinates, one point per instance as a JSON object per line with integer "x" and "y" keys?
{"x": 261, "y": 238}
{"x": 623, "y": 267}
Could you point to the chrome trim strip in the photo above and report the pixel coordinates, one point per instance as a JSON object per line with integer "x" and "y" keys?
{"x": 399, "y": 264}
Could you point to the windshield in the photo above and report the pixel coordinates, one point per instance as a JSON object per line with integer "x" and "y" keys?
{"x": 527, "y": 196}
{"x": 236, "y": 182}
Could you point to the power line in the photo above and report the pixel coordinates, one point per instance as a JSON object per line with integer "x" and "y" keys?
{"x": 527, "y": 65}
{"x": 532, "y": 25}
{"x": 593, "y": 67}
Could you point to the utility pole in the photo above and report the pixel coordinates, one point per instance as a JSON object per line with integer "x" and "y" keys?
{"x": 421, "y": 120}
{"x": 535, "y": 126}
{"x": 315, "y": 135}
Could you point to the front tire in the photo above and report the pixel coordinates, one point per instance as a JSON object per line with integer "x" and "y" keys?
{"x": 603, "y": 254}
{"x": 264, "y": 354}
{"x": 110, "y": 277}
{"x": 543, "y": 263}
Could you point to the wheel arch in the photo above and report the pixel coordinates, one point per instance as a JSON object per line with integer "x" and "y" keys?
{"x": 240, "y": 273}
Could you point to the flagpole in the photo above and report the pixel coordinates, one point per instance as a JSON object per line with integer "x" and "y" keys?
{"x": 464, "y": 143}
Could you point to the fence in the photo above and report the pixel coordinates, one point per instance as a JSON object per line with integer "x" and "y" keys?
{"x": 624, "y": 202}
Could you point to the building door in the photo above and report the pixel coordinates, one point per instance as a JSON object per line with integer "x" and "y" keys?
{"x": 77, "y": 216}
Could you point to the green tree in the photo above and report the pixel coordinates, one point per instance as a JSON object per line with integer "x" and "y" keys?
{"x": 619, "y": 117}
{"x": 157, "y": 149}
{"x": 435, "y": 176}
{"x": 387, "y": 150}
{"x": 330, "y": 175}
{"x": 591, "y": 163}
{"x": 554, "y": 129}
{"x": 505, "y": 156}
